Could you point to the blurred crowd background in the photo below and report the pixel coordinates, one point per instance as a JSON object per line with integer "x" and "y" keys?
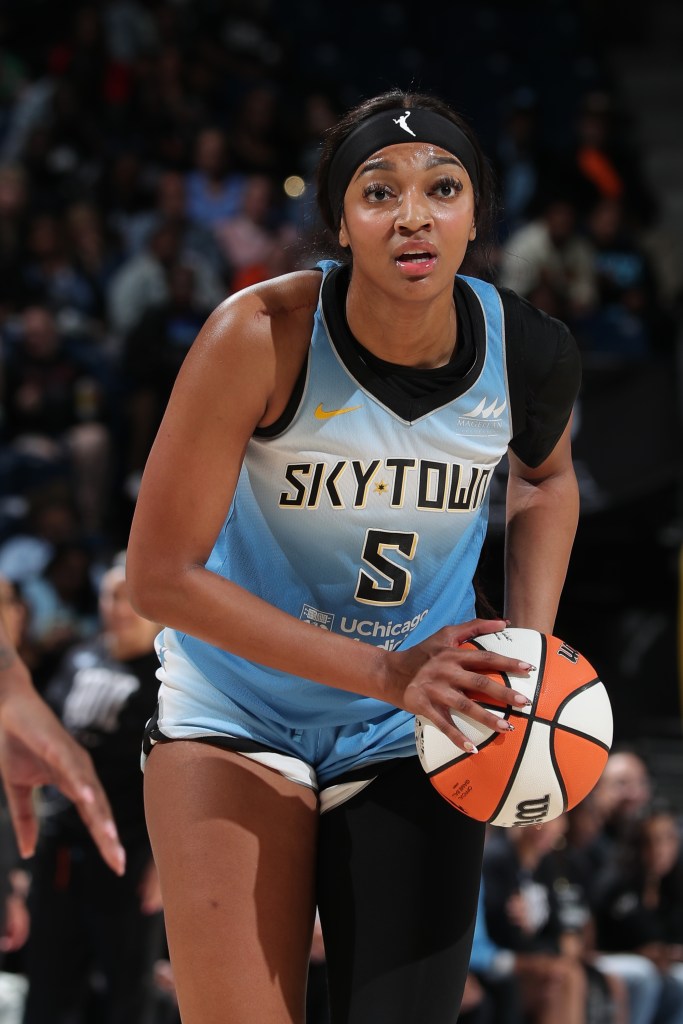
{"x": 158, "y": 155}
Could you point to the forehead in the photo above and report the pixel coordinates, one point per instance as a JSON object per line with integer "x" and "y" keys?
{"x": 414, "y": 156}
{"x": 113, "y": 580}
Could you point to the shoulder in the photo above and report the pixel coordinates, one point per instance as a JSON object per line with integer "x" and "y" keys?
{"x": 540, "y": 341}
{"x": 260, "y": 311}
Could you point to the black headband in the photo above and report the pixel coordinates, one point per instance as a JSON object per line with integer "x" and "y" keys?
{"x": 390, "y": 128}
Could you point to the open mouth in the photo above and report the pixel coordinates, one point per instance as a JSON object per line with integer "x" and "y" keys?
{"x": 415, "y": 257}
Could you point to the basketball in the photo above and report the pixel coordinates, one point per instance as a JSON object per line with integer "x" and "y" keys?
{"x": 556, "y": 753}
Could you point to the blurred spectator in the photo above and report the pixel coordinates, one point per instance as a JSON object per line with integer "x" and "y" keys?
{"x": 259, "y": 141}
{"x": 627, "y": 323}
{"x": 640, "y": 904}
{"x": 95, "y": 935}
{"x": 50, "y": 519}
{"x": 125, "y": 192}
{"x": 622, "y": 793}
{"x": 154, "y": 351}
{"x": 606, "y": 166}
{"x": 550, "y": 253}
{"x": 518, "y": 157}
{"x": 14, "y": 206}
{"x": 61, "y": 605}
{"x": 494, "y": 969}
{"x": 214, "y": 191}
{"x": 51, "y": 275}
{"x": 95, "y": 251}
{"x": 256, "y": 244}
{"x": 143, "y": 280}
{"x": 171, "y": 208}
{"x": 55, "y": 415}
{"x": 524, "y": 914}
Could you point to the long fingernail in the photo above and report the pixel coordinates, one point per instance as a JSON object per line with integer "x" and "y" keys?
{"x": 522, "y": 701}
{"x": 470, "y": 748}
{"x": 506, "y": 727}
{"x": 527, "y": 667}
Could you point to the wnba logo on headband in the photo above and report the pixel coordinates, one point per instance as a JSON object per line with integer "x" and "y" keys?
{"x": 389, "y": 128}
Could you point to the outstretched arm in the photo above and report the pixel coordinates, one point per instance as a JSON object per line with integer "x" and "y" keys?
{"x": 36, "y": 750}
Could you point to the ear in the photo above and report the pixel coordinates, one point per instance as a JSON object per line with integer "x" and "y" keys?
{"x": 343, "y": 237}
{"x": 473, "y": 232}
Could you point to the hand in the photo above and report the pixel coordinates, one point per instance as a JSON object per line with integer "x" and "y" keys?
{"x": 36, "y": 750}
{"x": 436, "y": 676}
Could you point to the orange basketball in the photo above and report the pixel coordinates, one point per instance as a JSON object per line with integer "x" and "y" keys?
{"x": 556, "y": 753}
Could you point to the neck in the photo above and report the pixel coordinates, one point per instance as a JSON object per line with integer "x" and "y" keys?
{"x": 419, "y": 334}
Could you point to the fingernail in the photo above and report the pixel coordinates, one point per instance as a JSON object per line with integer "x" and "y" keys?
{"x": 507, "y": 727}
{"x": 527, "y": 667}
{"x": 470, "y": 747}
{"x": 522, "y": 700}
{"x": 121, "y": 861}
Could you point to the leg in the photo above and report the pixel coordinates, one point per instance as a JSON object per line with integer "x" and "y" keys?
{"x": 234, "y": 843}
{"x": 642, "y": 980}
{"x": 398, "y": 879}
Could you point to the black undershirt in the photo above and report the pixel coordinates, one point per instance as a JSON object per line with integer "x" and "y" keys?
{"x": 543, "y": 366}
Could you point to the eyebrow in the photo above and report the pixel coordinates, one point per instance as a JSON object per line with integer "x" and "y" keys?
{"x": 382, "y": 164}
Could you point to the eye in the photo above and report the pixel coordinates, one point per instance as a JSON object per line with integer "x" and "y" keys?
{"x": 376, "y": 193}
{"x": 447, "y": 187}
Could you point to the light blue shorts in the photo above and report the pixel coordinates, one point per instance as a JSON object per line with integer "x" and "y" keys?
{"x": 190, "y": 707}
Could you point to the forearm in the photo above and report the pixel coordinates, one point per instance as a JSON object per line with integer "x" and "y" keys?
{"x": 13, "y": 672}
{"x": 224, "y": 614}
{"x": 541, "y": 524}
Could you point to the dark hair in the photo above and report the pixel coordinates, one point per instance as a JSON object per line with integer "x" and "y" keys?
{"x": 478, "y": 257}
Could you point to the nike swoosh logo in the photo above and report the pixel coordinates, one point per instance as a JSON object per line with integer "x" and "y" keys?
{"x": 322, "y": 414}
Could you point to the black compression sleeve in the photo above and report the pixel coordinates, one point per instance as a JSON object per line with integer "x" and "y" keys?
{"x": 398, "y": 880}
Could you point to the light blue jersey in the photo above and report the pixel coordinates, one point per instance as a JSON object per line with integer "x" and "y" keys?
{"x": 357, "y": 521}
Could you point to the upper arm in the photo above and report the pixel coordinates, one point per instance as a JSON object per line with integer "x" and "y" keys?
{"x": 544, "y": 372}
{"x": 225, "y": 387}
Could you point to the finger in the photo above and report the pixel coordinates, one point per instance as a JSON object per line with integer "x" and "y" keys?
{"x": 23, "y": 816}
{"x": 475, "y": 664}
{"x": 453, "y": 636}
{"x": 96, "y": 814}
{"x": 75, "y": 777}
{"x": 491, "y": 661}
{"x": 443, "y": 721}
{"x": 463, "y": 705}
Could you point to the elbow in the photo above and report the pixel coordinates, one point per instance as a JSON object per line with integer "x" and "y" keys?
{"x": 146, "y": 592}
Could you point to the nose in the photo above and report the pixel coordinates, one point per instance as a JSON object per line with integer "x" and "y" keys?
{"x": 414, "y": 213}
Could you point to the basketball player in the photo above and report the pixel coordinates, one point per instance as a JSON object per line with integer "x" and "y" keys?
{"x": 308, "y": 528}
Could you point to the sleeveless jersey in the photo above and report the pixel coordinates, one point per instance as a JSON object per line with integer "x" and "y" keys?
{"x": 355, "y": 520}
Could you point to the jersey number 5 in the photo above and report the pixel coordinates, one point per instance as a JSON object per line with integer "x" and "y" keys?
{"x": 368, "y": 589}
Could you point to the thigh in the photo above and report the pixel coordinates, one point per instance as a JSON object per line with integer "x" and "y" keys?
{"x": 234, "y": 843}
{"x": 398, "y": 880}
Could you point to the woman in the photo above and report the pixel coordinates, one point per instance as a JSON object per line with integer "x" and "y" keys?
{"x": 86, "y": 920}
{"x": 640, "y": 904}
{"x": 337, "y": 434}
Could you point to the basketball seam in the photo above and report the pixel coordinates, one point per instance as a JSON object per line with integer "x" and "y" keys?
{"x": 525, "y": 742}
